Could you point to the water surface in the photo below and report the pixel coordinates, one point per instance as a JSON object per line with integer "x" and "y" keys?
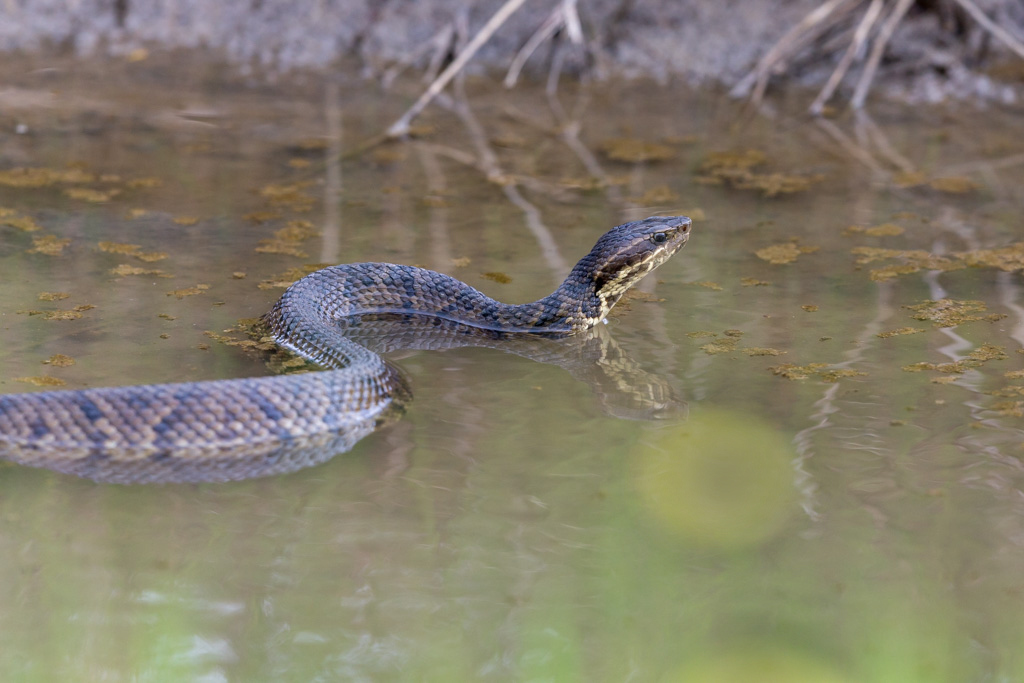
{"x": 858, "y": 520}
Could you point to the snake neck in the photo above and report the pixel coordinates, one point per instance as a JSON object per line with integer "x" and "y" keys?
{"x": 576, "y": 305}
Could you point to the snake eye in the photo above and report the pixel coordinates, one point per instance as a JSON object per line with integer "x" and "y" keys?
{"x": 659, "y": 237}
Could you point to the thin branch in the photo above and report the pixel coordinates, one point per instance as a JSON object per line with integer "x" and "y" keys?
{"x": 548, "y": 28}
{"x": 859, "y": 38}
{"x": 877, "y": 50}
{"x": 795, "y": 38}
{"x": 436, "y": 45}
{"x": 401, "y": 126}
{"x": 565, "y": 16}
{"x": 991, "y": 26}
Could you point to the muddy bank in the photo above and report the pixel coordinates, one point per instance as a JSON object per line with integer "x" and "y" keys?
{"x": 936, "y": 51}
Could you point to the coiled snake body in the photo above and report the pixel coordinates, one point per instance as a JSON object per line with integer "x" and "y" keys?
{"x": 200, "y": 431}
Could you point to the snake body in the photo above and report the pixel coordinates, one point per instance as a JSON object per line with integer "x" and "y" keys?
{"x": 200, "y": 431}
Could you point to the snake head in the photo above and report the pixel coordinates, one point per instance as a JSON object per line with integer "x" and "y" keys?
{"x": 628, "y": 252}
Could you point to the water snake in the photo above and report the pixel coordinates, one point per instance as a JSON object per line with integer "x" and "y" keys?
{"x": 201, "y": 431}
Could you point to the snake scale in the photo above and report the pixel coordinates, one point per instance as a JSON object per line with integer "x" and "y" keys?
{"x": 238, "y": 428}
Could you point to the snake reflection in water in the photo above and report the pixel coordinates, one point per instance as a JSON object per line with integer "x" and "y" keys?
{"x": 224, "y": 430}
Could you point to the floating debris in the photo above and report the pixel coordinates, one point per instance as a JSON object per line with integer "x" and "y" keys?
{"x": 662, "y": 194}
{"x": 287, "y": 240}
{"x": 899, "y": 332}
{"x": 500, "y": 278}
{"x": 883, "y": 230}
{"x": 801, "y": 372}
{"x": 120, "y": 248}
{"x": 701, "y": 334}
{"x": 727, "y": 344}
{"x": 288, "y": 277}
{"x": 461, "y": 262}
{"x": 124, "y": 269}
{"x": 904, "y": 179}
{"x": 954, "y": 185}
{"x": 52, "y": 296}
{"x": 632, "y": 150}
{"x": 810, "y": 308}
{"x": 1009, "y": 258}
{"x": 976, "y": 358}
{"x": 261, "y": 217}
{"x": 781, "y": 254}
{"x": 188, "y": 291}
{"x": 289, "y": 196}
{"x": 706, "y": 284}
{"x": 44, "y": 177}
{"x": 833, "y": 376}
{"x": 89, "y": 195}
{"x": 949, "y": 312}
{"x": 143, "y": 183}
{"x": 59, "y": 360}
{"x": 913, "y": 261}
{"x": 186, "y": 220}
{"x": 42, "y": 381}
{"x": 761, "y": 351}
{"x": 60, "y": 313}
{"x": 736, "y": 169}
{"x": 797, "y": 372}
{"x": 18, "y": 222}
{"x": 50, "y": 245}
{"x": 753, "y": 282}
{"x": 1009, "y": 408}
{"x": 716, "y": 347}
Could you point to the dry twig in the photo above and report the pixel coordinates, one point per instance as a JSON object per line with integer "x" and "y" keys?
{"x": 817, "y": 22}
{"x": 401, "y": 126}
{"x": 564, "y": 16}
{"x": 860, "y": 36}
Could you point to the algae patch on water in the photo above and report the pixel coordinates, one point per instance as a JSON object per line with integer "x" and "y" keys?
{"x": 883, "y": 230}
{"x": 49, "y": 245}
{"x": 188, "y": 291}
{"x": 819, "y": 370}
{"x": 950, "y": 312}
{"x": 784, "y": 253}
{"x": 42, "y": 381}
{"x": 632, "y": 150}
{"x": 495, "y": 276}
{"x": 287, "y": 240}
{"x": 976, "y": 358}
{"x": 736, "y": 169}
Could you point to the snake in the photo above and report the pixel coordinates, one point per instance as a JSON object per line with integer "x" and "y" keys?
{"x": 220, "y": 430}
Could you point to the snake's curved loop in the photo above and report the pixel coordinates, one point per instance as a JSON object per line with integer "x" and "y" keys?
{"x": 240, "y": 428}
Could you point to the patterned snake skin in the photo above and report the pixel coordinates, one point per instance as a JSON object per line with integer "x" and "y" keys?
{"x": 240, "y": 428}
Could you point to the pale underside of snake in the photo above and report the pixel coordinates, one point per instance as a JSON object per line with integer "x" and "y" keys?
{"x": 239, "y": 428}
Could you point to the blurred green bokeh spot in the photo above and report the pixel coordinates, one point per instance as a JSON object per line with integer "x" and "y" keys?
{"x": 721, "y": 478}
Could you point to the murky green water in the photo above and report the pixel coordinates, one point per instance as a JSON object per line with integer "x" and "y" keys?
{"x": 868, "y": 528}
